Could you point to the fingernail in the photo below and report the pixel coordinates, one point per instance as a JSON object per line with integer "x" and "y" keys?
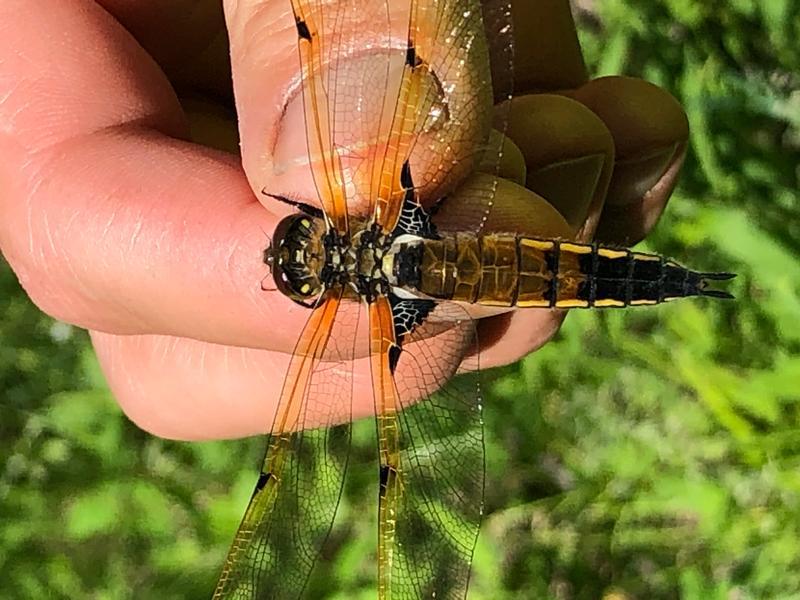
{"x": 569, "y": 185}
{"x": 649, "y": 128}
{"x": 568, "y": 151}
{"x": 634, "y": 177}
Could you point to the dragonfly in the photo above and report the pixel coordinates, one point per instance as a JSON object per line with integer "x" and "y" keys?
{"x": 397, "y": 98}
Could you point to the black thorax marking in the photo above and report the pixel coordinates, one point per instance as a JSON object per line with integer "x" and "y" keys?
{"x": 371, "y": 246}
{"x": 407, "y": 315}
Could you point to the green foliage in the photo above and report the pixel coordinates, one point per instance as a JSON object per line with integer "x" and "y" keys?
{"x": 90, "y": 506}
{"x": 651, "y": 454}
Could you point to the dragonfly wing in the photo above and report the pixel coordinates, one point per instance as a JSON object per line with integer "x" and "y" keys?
{"x": 314, "y": 47}
{"x": 431, "y": 452}
{"x": 442, "y": 119}
{"x": 395, "y": 84}
{"x": 346, "y": 50}
{"x": 294, "y": 502}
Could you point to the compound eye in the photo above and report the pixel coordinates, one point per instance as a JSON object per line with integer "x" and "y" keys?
{"x": 279, "y": 277}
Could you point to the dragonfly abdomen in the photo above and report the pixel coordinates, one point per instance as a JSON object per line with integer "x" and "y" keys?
{"x": 510, "y": 270}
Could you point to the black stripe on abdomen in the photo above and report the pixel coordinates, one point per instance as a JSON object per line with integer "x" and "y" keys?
{"x": 621, "y": 278}
{"x": 561, "y": 274}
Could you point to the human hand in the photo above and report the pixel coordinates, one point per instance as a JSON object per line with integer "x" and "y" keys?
{"x": 115, "y": 221}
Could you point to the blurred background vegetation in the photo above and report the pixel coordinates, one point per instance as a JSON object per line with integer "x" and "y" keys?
{"x": 653, "y": 454}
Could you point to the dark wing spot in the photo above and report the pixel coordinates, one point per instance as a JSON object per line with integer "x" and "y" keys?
{"x": 388, "y": 472}
{"x": 412, "y": 60}
{"x": 263, "y": 478}
{"x": 394, "y": 356}
{"x": 302, "y": 30}
{"x": 405, "y": 177}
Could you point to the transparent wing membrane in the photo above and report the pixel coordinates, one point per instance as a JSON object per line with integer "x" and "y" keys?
{"x": 294, "y": 503}
{"x": 490, "y": 36}
{"x": 443, "y": 118}
{"x": 397, "y": 97}
{"x": 387, "y": 82}
{"x": 430, "y": 454}
{"x": 439, "y": 510}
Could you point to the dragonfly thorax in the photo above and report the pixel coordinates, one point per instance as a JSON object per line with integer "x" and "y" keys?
{"x": 306, "y": 258}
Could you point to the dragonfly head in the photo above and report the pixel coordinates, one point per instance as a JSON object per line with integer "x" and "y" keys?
{"x": 296, "y": 257}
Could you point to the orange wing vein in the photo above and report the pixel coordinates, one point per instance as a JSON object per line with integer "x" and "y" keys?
{"x": 326, "y": 165}
{"x": 382, "y": 344}
{"x": 430, "y": 453}
{"x": 387, "y": 188}
{"x": 292, "y": 508}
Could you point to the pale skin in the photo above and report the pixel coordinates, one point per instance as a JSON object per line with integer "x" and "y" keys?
{"x": 118, "y": 218}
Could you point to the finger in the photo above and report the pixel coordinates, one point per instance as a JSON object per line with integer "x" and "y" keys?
{"x": 266, "y": 70}
{"x": 547, "y": 55}
{"x": 513, "y": 209}
{"x": 186, "y": 389}
{"x": 512, "y": 162}
{"x": 109, "y": 220}
{"x": 650, "y": 132}
{"x": 192, "y": 390}
{"x": 569, "y": 155}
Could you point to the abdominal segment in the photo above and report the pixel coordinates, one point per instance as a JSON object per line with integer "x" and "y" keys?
{"x": 515, "y": 271}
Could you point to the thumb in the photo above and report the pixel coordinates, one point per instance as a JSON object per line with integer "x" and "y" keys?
{"x": 266, "y": 82}
{"x": 362, "y": 53}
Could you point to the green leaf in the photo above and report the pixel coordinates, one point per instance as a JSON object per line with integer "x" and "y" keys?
{"x": 94, "y": 511}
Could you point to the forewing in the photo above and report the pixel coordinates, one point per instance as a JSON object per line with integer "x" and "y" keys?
{"x": 431, "y": 453}
{"x": 387, "y": 83}
{"x": 443, "y": 115}
{"x": 473, "y": 203}
{"x": 313, "y": 43}
{"x": 294, "y": 503}
{"x": 347, "y": 51}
